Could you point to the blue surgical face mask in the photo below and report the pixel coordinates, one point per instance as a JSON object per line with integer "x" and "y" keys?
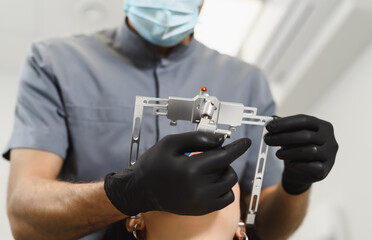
{"x": 163, "y": 22}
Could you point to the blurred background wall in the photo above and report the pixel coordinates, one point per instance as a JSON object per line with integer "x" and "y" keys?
{"x": 316, "y": 55}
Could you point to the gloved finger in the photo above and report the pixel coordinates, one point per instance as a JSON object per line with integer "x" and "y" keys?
{"x": 221, "y": 202}
{"x": 306, "y": 153}
{"x": 301, "y": 137}
{"x": 216, "y": 159}
{"x": 223, "y": 184}
{"x": 192, "y": 142}
{"x": 226, "y": 199}
{"x": 293, "y": 123}
{"x": 315, "y": 171}
{"x": 211, "y": 204}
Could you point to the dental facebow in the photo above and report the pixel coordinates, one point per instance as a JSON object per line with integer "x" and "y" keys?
{"x": 208, "y": 113}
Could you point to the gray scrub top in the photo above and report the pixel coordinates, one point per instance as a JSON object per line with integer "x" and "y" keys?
{"x": 76, "y": 99}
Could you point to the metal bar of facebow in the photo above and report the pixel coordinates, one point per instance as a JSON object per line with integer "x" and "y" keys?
{"x": 142, "y": 102}
{"x": 258, "y": 177}
{"x": 249, "y": 117}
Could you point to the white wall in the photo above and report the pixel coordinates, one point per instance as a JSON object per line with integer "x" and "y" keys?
{"x": 343, "y": 201}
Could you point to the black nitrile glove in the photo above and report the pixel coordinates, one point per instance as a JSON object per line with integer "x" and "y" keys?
{"x": 308, "y": 148}
{"x": 165, "y": 179}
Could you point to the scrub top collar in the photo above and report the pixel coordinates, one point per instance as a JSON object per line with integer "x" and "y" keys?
{"x": 144, "y": 54}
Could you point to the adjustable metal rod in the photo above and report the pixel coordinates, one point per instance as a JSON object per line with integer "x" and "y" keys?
{"x": 258, "y": 179}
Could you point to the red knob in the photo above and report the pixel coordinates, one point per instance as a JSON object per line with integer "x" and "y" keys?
{"x": 203, "y": 89}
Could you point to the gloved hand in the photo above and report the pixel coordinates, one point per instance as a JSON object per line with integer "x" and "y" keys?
{"x": 165, "y": 179}
{"x": 308, "y": 148}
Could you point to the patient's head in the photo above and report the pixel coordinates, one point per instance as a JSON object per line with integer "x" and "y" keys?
{"x": 218, "y": 225}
